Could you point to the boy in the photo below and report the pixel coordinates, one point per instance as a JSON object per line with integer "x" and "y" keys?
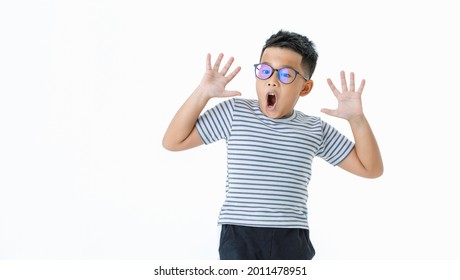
{"x": 270, "y": 147}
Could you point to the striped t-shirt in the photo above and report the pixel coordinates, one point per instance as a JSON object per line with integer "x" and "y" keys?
{"x": 269, "y": 161}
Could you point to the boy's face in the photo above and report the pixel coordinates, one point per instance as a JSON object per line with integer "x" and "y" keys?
{"x": 277, "y": 100}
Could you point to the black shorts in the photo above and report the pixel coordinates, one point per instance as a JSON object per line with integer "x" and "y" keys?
{"x": 258, "y": 243}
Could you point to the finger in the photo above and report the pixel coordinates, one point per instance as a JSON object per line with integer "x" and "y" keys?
{"x": 361, "y": 86}
{"x": 344, "y": 81}
{"x": 333, "y": 88}
{"x": 227, "y": 66}
{"x": 233, "y": 74}
{"x": 352, "y": 81}
{"x": 218, "y": 61}
{"x": 208, "y": 62}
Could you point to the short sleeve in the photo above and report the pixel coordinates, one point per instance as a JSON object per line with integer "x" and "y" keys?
{"x": 216, "y": 123}
{"x": 335, "y": 146}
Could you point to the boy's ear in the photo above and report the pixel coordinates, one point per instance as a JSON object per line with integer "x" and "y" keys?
{"x": 307, "y": 88}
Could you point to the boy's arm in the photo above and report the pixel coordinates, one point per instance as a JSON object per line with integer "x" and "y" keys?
{"x": 365, "y": 159}
{"x": 181, "y": 133}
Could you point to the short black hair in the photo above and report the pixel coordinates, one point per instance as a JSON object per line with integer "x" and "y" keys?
{"x": 298, "y": 43}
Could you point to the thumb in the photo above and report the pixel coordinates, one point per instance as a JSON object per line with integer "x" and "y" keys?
{"x": 229, "y": 93}
{"x": 329, "y": 112}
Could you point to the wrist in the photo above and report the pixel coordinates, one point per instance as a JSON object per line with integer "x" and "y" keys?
{"x": 357, "y": 120}
{"x": 201, "y": 95}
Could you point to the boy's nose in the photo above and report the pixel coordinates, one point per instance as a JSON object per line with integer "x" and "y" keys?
{"x": 273, "y": 81}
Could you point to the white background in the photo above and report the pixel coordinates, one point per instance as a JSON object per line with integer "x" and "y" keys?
{"x": 87, "y": 89}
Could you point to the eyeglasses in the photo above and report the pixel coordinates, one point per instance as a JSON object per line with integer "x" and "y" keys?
{"x": 286, "y": 75}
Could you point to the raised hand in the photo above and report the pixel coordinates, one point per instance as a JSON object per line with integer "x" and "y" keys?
{"x": 182, "y": 133}
{"x": 349, "y": 105}
{"x": 214, "y": 80}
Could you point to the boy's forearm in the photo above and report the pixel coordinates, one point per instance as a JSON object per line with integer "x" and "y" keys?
{"x": 184, "y": 121}
{"x": 366, "y": 146}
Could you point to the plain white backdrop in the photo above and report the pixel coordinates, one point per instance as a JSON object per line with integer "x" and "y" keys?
{"x": 87, "y": 89}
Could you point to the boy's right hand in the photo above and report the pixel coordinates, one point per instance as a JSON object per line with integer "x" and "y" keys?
{"x": 214, "y": 81}
{"x": 182, "y": 133}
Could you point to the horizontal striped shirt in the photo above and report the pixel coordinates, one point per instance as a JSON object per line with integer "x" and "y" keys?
{"x": 269, "y": 161}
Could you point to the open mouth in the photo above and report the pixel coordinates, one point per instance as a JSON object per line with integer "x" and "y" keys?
{"x": 271, "y": 100}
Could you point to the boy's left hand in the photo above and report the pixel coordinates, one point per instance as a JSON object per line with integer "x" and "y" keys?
{"x": 349, "y": 104}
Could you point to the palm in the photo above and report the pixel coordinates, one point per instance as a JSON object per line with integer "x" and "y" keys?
{"x": 215, "y": 81}
{"x": 349, "y": 101}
